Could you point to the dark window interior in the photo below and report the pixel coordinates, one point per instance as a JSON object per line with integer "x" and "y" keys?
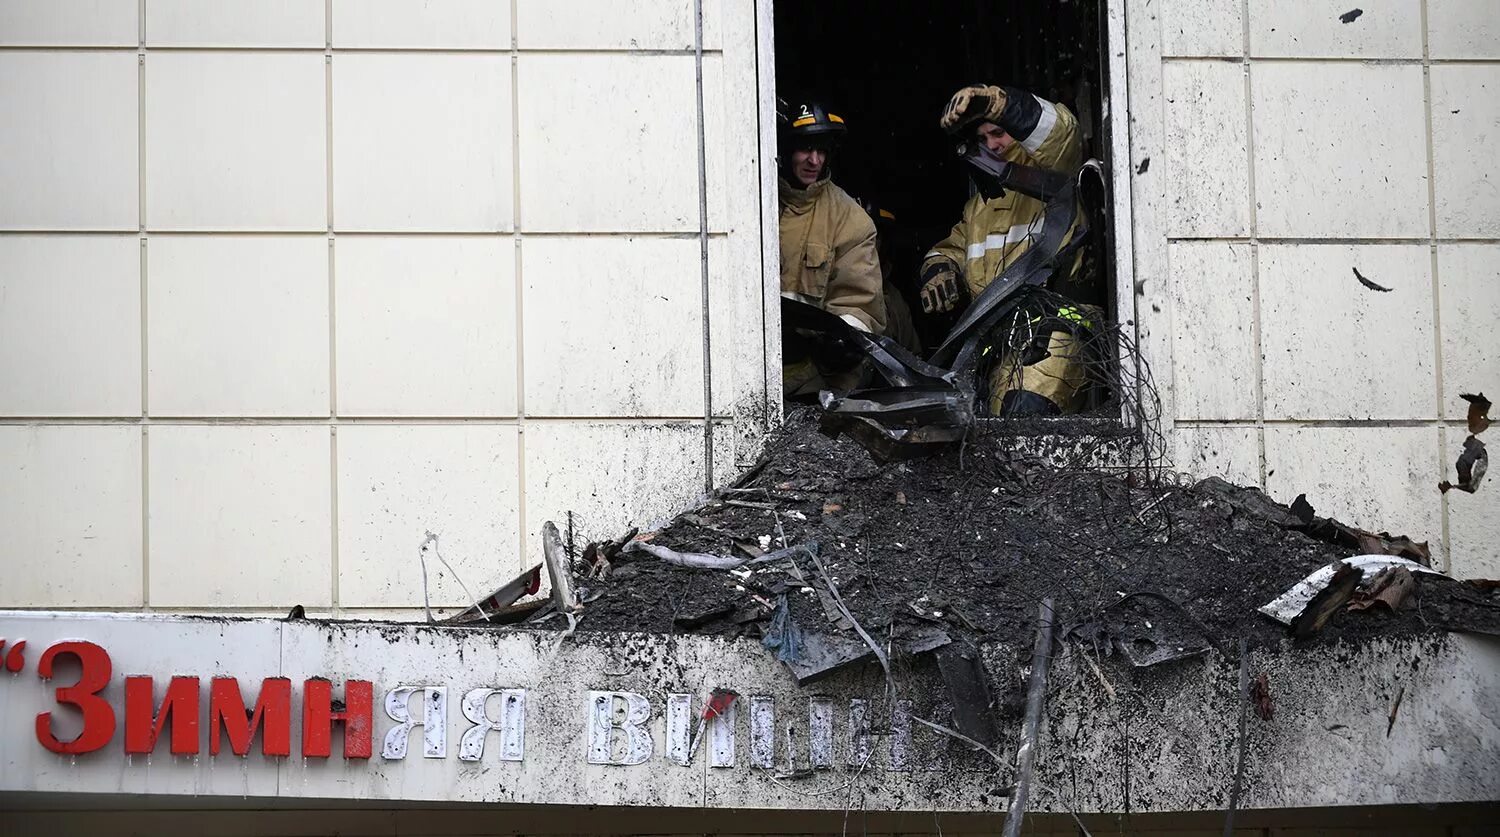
{"x": 889, "y": 68}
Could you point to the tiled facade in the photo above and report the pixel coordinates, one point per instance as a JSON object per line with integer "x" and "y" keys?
{"x": 287, "y": 284}
{"x": 1300, "y": 148}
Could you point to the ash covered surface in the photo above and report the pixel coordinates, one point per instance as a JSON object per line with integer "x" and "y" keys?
{"x": 968, "y": 542}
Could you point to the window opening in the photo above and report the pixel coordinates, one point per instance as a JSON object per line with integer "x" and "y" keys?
{"x": 880, "y": 81}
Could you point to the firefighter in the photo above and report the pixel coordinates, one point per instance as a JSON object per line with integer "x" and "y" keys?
{"x": 828, "y": 255}
{"x": 1047, "y": 378}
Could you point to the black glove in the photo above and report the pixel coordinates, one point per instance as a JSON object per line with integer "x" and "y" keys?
{"x": 942, "y": 290}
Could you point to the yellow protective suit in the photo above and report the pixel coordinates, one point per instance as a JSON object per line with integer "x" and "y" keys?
{"x": 828, "y": 256}
{"x": 828, "y": 259}
{"x": 992, "y": 235}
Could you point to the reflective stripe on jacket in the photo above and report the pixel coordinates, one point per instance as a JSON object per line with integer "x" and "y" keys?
{"x": 828, "y": 254}
{"x": 993, "y": 234}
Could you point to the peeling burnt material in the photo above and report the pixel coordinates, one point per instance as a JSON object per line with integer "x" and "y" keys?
{"x": 1327, "y": 604}
{"x": 1390, "y": 587}
{"x": 1367, "y": 543}
{"x": 1479, "y": 411}
{"x": 1260, "y": 697}
{"x": 1470, "y": 466}
{"x": 1473, "y": 461}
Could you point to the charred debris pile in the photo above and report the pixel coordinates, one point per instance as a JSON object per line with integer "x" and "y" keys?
{"x": 830, "y": 559}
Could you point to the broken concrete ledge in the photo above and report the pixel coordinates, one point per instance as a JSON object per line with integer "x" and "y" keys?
{"x": 1400, "y": 720}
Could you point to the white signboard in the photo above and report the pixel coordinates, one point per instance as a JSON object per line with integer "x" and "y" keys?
{"x": 266, "y": 708}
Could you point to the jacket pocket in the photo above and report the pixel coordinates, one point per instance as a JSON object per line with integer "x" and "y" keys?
{"x": 817, "y": 265}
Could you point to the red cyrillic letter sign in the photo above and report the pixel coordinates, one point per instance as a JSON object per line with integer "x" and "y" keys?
{"x": 98, "y": 716}
{"x": 273, "y": 707}
{"x": 142, "y": 726}
{"x": 318, "y": 717}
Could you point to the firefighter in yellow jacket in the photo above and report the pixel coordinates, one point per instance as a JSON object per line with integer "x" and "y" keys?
{"x": 1028, "y": 130}
{"x": 828, "y": 255}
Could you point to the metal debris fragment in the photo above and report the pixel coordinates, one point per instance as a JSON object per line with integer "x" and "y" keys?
{"x": 496, "y": 603}
{"x": 1036, "y": 698}
{"x": 965, "y": 679}
{"x": 559, "y": 571}
{"x": 1351, "y": 15}
{"x": 822, "y": 654}
{"x": 1284, "y": 608}
{"x": 694, "y": 560}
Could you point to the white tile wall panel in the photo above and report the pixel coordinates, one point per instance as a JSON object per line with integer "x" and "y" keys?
{"x": 93, "y": 23}
{"x": 613, "y": 327}
{"x": 237, "y": 326}
{"x": 1335, "y": 349}
{"x": 1473, "y": 526}
{"x": 70, "y": 325}
{"x": 603, "y": 24}
{"x": 236, "y": 141}
{"x": 1208, "y": 171}
{"x": 240, "y": 516}
{"x": 1466, "y": 123}
{"x": 242, "y": 23}
{"x": 1469, "y": 296}
{"x": 398, "y": 483}
{"x": 736, "y": 345}
{"x": 1202, "y": 28}
{"x": 70, "y": 505}
{"x": 736, "y": 290}
{"x": 423, "y": 142}
{"x": 426, "y": 326}
{"x": 611, "y": 475}
{"x": 733, "y": 186}
{"x": 1213, "y": 343}
{"x": 1339, "y": 150}
{"x": 71, "y": 141}
{"x": 1463, "y": 29}
{"x": 626, "y": 163}
{"x": 421, "y": 24}
{"x": 1377, "y": 478}
{"x": 1316, "y": 29}
{"x": 1228, "y": 452}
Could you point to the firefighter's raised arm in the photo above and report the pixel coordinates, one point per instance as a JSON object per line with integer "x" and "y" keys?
{"x": 1046, "y": 130}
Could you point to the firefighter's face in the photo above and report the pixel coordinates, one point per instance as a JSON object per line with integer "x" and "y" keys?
{"x": 808, "y": 163}
{"x": 994, "y": 137}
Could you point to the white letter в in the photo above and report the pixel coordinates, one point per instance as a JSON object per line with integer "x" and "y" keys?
{"x": 434, "y": 721}
{"x": 603, "y": 723}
